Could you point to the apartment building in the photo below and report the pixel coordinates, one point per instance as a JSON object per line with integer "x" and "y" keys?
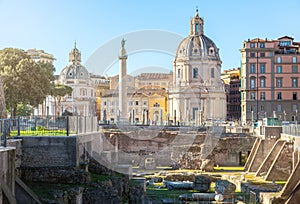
{"x": 270, "y": 79}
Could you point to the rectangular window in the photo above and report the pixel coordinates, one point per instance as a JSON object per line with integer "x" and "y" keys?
{"x": 252, "y": 95}
{"x": 279, "y": 69}
{"x": 295, "y": 69}
{"x": 279, "y": 108}
{"x": 252, "y": 83}
{"x": 195, "y": 73}
{"x": 130, "y": 103}
{"x": 104, "y": 103}
{"x": 294, "y": 60}
{"x": 136, "y": 103}
{"x": 212, "y": 72}
{"x": 252, "y": 68}
{"x": 252, "y": 45}
{"x": 262, "y": 82}
{"x": 284, "y": 43}
{"x": 262, "y": 45}
{"x": 262, "y": 68}
{"x": 294, "y": 82}
{"x": 279, "y": 96}
{"x": 195, "y": 111}
{"x": 294, "y": 107}
{"x": 262, "y": 96}
{"x": 252, "y": 54}
{"x": 278, "y": 59}
{"x": 178, "y": 73}
{"x": 262, "y": 54}
{"x": 294, "y": 95}
{"x": 278, "y": 82}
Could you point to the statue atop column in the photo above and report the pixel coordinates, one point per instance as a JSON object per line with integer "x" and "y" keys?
{"x": 123, "y": 43}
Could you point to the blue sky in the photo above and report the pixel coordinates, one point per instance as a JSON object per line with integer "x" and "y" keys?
{"x": 54, "y": 25}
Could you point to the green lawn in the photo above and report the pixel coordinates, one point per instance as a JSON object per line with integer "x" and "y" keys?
{"x": 229, "y": 168}
{"x": 40, "y": 133}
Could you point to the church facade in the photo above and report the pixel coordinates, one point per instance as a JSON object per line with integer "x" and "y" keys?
{"x": 197, "y": 93}
{"x": 82, "y": 102}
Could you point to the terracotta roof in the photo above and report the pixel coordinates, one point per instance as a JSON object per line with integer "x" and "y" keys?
{"x": 286, "y": 37}
{"x": 153, "y": 76}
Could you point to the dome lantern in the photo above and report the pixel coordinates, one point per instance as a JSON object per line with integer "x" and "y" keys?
{"x": 74, "y": 55}
{"x": 197, "y": 25}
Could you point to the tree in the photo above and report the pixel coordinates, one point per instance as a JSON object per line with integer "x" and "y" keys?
{"x": 24, "y": 80}
{"x": 60, "y": 91}
{"x": 24, "y": 110}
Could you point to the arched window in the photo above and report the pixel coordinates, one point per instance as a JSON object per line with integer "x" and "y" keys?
{"x": 195, "y": 73}
{"x": 197, "y": 28}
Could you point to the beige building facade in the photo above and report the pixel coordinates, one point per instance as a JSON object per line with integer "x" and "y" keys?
{"x": 40, "y": 55}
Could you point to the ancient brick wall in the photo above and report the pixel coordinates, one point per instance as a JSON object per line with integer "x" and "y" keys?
{"x": 49, "y": 152}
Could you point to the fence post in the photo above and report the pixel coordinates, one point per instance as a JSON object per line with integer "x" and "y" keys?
{"x": 19, "y": 129}
{"x": 4, "y": 133}
{"x": 67, "y": 125}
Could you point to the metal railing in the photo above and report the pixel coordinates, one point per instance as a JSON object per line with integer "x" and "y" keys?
{"x": 46, "y": 126}
{"x": 291, "y": 129}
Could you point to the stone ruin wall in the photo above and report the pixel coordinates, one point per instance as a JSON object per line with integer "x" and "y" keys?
{"x": 170, "y": 147}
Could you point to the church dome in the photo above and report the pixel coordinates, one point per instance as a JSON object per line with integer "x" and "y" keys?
{"x": 197, "y": 44}
{"x": 74, "y": 70}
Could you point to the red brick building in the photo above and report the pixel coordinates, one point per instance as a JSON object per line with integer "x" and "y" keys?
{"x": 231, "y": 79}
{"x": 270, "y": 79}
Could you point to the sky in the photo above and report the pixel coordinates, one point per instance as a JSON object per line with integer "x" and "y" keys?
{"x": 98, "y": 27}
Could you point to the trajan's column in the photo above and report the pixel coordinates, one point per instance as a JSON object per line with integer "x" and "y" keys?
{"x": 122, "y": 83}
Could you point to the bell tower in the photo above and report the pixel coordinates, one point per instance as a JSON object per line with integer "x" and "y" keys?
{"x": 197, "y": 25}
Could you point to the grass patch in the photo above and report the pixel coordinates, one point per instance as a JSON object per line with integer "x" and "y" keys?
{"x": 280, "y": 182}
{"x": 229, "y": 168}
{"x": 159, "y": 193}
{"x": 99, "y": 177}
{"x": 40, "y": 133}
